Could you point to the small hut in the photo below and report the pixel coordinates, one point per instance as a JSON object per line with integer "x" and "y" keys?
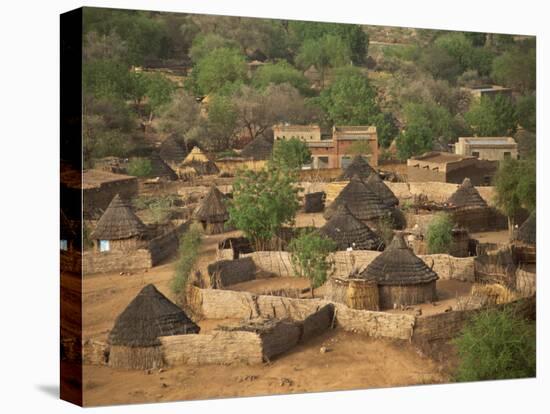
{"x": 134, "y": 340}
{"x": 314, "y": 202}
{"x": 469, "y": 209}
{"x": 172, "y": 151}
{"x": 200, "y": 162}
{"x": 525, "y": 240}
{"x": 259, "y": 148}
{"x": 376, "y": 184}
{"x": 212, "y": 212}
{"x": 402, "y": 277}
{"x": 160, "y": 169}
{"x": 358, "y": 166}
{"x": 119, "y": 228}
{"x": 466, "y": 196}
{"x": 350, "y": 233}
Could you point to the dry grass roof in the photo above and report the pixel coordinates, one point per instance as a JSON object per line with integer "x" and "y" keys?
{"x": 160, "y": 168}
{"x": 200, "y": 162}
{"x": 172, "y": 150}
{"x": 358, "y": 166}
{"x": 212, "y": 207}
{"x": 398, "y": 265}
{"x": 527, "y": 232}
{"x": 259, "y": 148}
{"x": 347, "y": 231}
{"x": 118, "y": 222}
{"x": 376, "y": 184}
{"x": 466, "y": 196}
{"x": 149, "y": 316}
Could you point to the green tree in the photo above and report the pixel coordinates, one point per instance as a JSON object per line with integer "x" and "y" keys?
{"x": 439, "y": 236}
{"x": 437, "y": 118}
{"x": 187, "y": 256}
{"x": 106, "y": 79}
{"x": 221, "y": 122}
{"x": 140, "y": 167}
{"x": 496, "y": 344}
{"x": 526, "y": 107}
{"x": 291, "y": 154}
{"x": 326, "y": 52}
{"x": 180, "y": 114}
{"x": 516, "y": 68}
{"x": 203, "y": 44}
{"x": 308, "y": 253}
{"x": 280, "y": 72}
{"x": 491, "y": 117}
{"x": 262, "y": 202}
{"x": 218, "y": 68}
{"x": 415, "y": 139}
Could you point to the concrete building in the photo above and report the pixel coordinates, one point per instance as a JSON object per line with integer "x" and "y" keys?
{"x": 487, "y": 148}
{"x": 450, "y": 168}
{"x": 331, "y": 150}
{"x": 489, "y": 91}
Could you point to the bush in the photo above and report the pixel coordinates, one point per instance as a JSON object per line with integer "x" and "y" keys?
{"x": 439, "y": 235}
{"x": 496, "y": 344}
{"x": 187, "y": 256}
{"x": 140, "y": 167}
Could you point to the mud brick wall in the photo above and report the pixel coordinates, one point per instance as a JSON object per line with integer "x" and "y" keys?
{"x": 496, "y": 267}
{"x": 450, "y": 267}
{"x": 96, "y": 262}
{"x": 94, "y": 352}
{"x": 277, "y": 262}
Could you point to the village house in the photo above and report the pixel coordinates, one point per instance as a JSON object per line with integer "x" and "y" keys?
{"x": 331, "y": 151}
{"x": 489, "y": 91}
{"x": 446, "y": 167}
{"x": 487, "y": 148}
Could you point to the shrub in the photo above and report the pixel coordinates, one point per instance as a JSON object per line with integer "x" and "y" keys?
{"x": 140, "y": 167}
{"x": 309, "y": 253}
{"x": 439, "y": 235}
{"x": 187, "y": 256}
{"x": 496, "y": 344}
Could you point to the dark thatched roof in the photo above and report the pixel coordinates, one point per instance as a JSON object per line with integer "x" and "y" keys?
{"x": 259, "y": 148}
{"x": 361, "y": 201}
{"x": 149, "y": 316}
{"x": 118, "y": 222}
{"x": 398, "y": 265}
{"x": 347, "y": 231}
{"x": 212, "y": 207}
{"x": 314, "y": 202}
{"x": 67, "y": 231}
{"x": 527, "y": 232}
{"x": 376, "y": 184}
{"x": 466, "y": 196}
{"x": 160, "y": 168}
{"x": 173, "y": 150}
{"x": 358, "y": 166}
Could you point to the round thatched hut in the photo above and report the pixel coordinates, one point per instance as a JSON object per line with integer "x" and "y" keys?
{"x": 200, "y": 162}
{"x": 173, "y": 151}
{"x": 376, "y": 184}
{"x": 119, "y": 228}
{"x": 402, "y": 277}
{"x": 160, "y": 169}
{"x": 349, "y": 233}
{"x": 259, "y": 148}
{"x": 134, "y": 340}
{"x": 212, "y": 212}
{"x": 469, "y": 209}
{"x": 358, "y": 166}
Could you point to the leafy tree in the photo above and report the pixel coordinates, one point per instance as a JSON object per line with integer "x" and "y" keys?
{"x": 386, "y": 128}
{"x": 140, "y": 167}
{"x": 104, "y": 47}
{"x": 439, "y": 236}
{"x": 326, "y": 52}
{"x": 496, "y": 344}
{"x": 526, "y": 107}
{"x": 291, "y": 154}
{"x": 492, "y": 117}
{"x": 515, "y": 185}
{"x": 280, "y": 72}
{"x": 221, "y": 122}
{"x": 218, "y": 68}
{"x": 106, "y": 79}
{"x": 204, "y": 44}
{"x": 179, "y": 115}
{"x": 415, "y": 139}
{"x": 439, "y": 63}
{"x": 516, "y": 68}
{"x": 187, "y": 256}
{"x": 308, "y": 254}
{"x": 263, "y": 202}
{"x": 435, "y": 117}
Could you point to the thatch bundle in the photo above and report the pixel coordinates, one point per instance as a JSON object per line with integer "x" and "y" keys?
{"x": 358, "y": 166}
{"x": 200, "y": 162}
{"x": 118, "y": 222}
{"x": 403, "y": 278}
{"x": 134, "y": 339}
{"x": 212, "y": 212}
{"x": 376, "y": 184}
{"x": 493, "y": 294}
{"x": 466, "y": 196}
{"x": 314, "y": 202}
{"x": 160, "y": 169}
{"x": 527, "y": 232}
{"x": 259, "y": 148}
{"x": 348, "y": 232}
{"x": 172, "y": 150}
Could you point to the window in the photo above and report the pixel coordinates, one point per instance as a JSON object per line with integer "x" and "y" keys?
{"x": 507, "y": 155}
{"x": 322, "y": 162}
{"x": 104, "y": 246}
{"x": 64, "y": 245}
{"x": 475, "y": 154}
{"x": 345, "y": 161}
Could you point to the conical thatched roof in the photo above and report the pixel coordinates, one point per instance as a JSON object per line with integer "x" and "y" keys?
{"x": 347, "y": 231}
{"x": 259, "y": 148}
{"x": 200, "y": 162}
{"x": 527, "y": 232}
{"x": 160, "y": 168}
{"x": 361, "y": 201}
{"x": 212, "y": 207}
{"x": 358, "y": 166}
{"x": 376, "y": 184}
{"x": 466, "y": 195}
{"x": 398, "y": 265}
{"x": 149, "y": 316}
{"x": 118, "y": 222}
{"x": 172, "y": 150}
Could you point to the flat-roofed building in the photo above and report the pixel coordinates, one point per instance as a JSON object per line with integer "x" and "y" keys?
{"x": 489, "y": 91}
{"x": 487, "y": 148}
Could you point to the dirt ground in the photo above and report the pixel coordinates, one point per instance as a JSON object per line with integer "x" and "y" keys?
{"x": 499, "y": 237}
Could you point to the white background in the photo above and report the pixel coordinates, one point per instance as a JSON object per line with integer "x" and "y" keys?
{"x": 29, "y": 128}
